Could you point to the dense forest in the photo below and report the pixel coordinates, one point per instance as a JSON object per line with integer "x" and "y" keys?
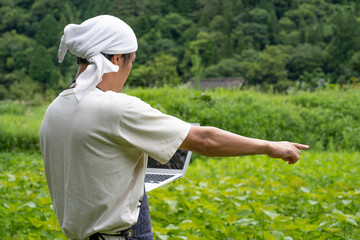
{"x": 280, "y": 43}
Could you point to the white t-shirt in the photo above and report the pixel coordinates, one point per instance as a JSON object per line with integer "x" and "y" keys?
{"x": 95, "y": 157}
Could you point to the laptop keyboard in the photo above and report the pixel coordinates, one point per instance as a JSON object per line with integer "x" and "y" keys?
{"x": 156, "y": 178}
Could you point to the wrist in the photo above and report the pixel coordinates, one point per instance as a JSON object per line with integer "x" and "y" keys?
{"x": 266, "y": 147}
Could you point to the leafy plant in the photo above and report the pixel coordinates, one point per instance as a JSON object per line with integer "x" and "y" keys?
{"x": 220, "y": 198}
{"x": 258, "y": 198}
{"x": 325, "y": 120}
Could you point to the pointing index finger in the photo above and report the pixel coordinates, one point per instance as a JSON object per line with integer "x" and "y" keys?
{"x": 301, "y": 146}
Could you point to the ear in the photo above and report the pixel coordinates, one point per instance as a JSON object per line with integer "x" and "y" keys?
{"x": 115, "y": 59}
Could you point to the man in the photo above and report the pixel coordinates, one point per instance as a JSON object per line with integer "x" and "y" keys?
{"x": 95, "y": 140}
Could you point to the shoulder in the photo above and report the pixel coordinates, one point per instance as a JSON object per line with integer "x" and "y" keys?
{"x": 111, "y": 99}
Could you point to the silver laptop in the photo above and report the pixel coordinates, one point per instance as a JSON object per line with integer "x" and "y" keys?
{"x": 158, "y": 174}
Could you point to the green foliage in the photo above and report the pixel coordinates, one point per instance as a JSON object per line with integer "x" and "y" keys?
{"x": 272, "y": 64}
{"x": 13, "y": 18}
{"x": 172, "y": 25}
{"x": 325, "y": 120}
{"x": 258, "y": 198}
{"x": 25, "y": 203}
{"x": 355, "y": 62}
{"x": 48, "y": 32}
{"x": 222, "y": 198}
{"x": 197, "y": 68}
{"x": 162, "y": 71}
{"x": 15, "y": 51}
{"x": 25, "y": 89}
{"x": 305, "y": 58}
{"x": 224, "y": 68}
{"x": 19, "y": 126}
{"x": 324, "y": 36}
{"x": 256, "y": 33}
{"x": 2, "y": 92}
{"x": 41, "y": 68}
{"x": 220, "y": 24}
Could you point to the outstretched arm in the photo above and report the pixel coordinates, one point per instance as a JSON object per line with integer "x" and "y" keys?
{"x": 211, "y": 141}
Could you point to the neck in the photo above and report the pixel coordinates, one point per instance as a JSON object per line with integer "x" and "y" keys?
{"x": 109, "y": 83}
{"x": 112, "y": 81}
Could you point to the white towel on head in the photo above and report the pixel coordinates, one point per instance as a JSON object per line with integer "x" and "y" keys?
{"x": 101, "y": 34}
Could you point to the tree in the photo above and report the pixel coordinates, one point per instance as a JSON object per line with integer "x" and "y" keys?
{"x": 142, "y": 25}
{"x": 197, "y": 68}
{"x": 344, "y": 43}
{"x": 238, "y": 41}
{"x": 208, "y": 10}
{"x": 248, "y": 66}
{"x": 312, "y": 79}
{"x": 225, "y": 68}
{"x": 15, "y": 52}
{"x": 172, "y": 26}
{"x": 48, "y": 32}
{"x": 259, "y": 15}
{"x": 159, "y": 72}
{"x": 282, "y": 6}
{"x": 222, "y": 46}
{"x": 272, "y": 63}
{"x": 165, "y": 70}
{"x": 221, "y": 31}
{"x": 304, "y": 12}
{"x": 23, "y": 88}
{"x": 258, "y": 33}
{"x": 219, "y": 23}
{"x": 286, "y": 24}
{"x": 14, "y": 18}
{"x": 305, "y": 58}
{"x": 141, "y": 76}
{"x": 185, "y": 7}
{"x": 355, "y": 62}
{"x": 204, "y": 45}
{"x": 42, "y": 69}
{"x": 41, "y": 8}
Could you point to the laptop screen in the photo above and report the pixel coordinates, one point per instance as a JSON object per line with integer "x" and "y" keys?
{"x": 177, "y": 161}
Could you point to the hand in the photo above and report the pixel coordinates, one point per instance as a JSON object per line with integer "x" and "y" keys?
{"x": 287, "y": 151}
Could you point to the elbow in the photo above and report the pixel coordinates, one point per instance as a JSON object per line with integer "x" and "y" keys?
{"x": 206, "y": 144}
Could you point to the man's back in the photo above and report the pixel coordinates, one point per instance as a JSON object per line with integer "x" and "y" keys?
{"x": 95, "y": 164}
{"x": 82, "y": 156}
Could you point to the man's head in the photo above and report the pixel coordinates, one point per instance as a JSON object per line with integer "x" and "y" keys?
{"x": 102, "y": 34}
{"x": 90, "y": 41}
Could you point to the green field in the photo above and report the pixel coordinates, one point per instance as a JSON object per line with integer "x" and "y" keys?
{"x": 220, "y": 198}
{"x": 251, "y": 197}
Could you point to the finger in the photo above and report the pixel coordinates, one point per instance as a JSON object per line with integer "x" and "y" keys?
{"x": 297, "y": 151}
{"x": 294, "y": 160}
{"x": 300, "y": 146}
{"x": 290, "y": 160}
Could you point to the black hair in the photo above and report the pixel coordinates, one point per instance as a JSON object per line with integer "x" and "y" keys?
{"x": 126, "y": 57}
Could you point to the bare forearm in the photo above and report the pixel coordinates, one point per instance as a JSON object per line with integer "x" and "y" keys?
{"x": 210, "y": 141}
{"x": 224, "y": 143}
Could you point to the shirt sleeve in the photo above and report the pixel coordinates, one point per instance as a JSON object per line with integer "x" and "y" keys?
{"x": 151, "y": 131}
